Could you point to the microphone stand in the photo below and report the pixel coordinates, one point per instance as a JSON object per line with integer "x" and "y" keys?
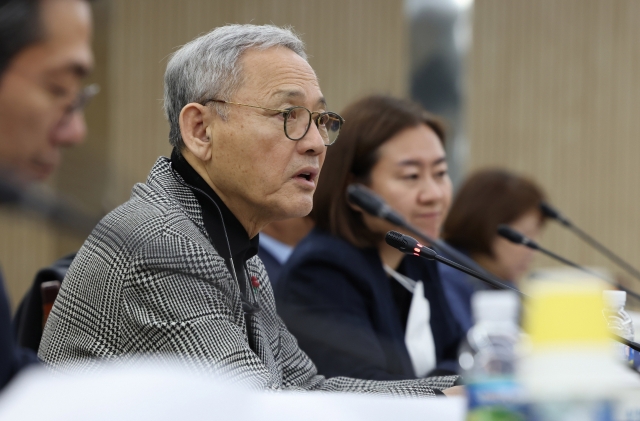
{"x": 590, "y": 272}
{"x": 604, "y": 250}
{"x": 42, "y": 201}
{"x": 518, "y": 238}
{"x": 476, "y": 272}
{"x": 555, "y": 214}
{"x": 633, "y": 345}
{"x": 478, "y": 275}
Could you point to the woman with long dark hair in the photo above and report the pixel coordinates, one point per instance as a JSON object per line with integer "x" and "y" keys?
{"x": 357, "y": 306}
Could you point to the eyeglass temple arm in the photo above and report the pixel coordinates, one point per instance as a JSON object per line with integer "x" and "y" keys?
{"x": 244, "y": 105}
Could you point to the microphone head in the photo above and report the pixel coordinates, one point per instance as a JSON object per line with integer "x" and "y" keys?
{"x": 10, "y": 192}
{"x": 399, "y": 241}
{"x": 409, "y": 245}
{"x": 42, "y": 201}
{"x": 510, "y": 234}
{"x": 514, "y": 236}
{"x": 550, "y": 212}
{"x": 364, "y": 198}
{"x": 371, "y": 203}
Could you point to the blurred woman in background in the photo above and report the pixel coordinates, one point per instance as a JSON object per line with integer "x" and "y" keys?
{"x": 487, "y": 199}
{"x": 357, "y": 306}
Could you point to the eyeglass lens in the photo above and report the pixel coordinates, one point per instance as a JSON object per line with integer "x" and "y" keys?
{"x": 85, "y": 96}
{"x": 298, "y": 121}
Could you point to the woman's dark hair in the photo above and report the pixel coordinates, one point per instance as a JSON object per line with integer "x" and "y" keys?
{"x": 19, "y": 27}
{"x": 486, "y": 199}
{"x": 369, "y": 123}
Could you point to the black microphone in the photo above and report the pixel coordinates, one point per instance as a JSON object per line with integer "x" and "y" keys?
{"x": 373, "y": 204}
{"x": 9, "y": 192}
{"x": 410, "y": 245}
{"x": 42, "y": 201}
{"x": 553, "y": 213}
{"x": 514, "y": 236}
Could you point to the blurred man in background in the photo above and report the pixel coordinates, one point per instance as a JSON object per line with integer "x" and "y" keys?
{"x": 45, "y": 53}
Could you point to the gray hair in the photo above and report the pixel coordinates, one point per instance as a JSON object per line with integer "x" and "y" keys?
{"x": 208, "y": 67}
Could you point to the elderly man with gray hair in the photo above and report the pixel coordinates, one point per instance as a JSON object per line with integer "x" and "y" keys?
{"x": 173, "y": 272}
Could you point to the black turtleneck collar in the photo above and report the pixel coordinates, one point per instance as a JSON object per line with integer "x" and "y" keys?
{"x": 242, "y": 248}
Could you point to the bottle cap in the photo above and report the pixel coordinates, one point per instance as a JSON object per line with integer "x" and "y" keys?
{"x": 614, "y": 299}
{"x": 495, "y": 305}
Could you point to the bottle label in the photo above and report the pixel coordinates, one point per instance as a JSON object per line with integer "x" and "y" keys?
{"x": 495, "y": 399}
{"x": 636, "y": 360}
{"x": 624, "y": 353}
{"x": 596, "y": 410}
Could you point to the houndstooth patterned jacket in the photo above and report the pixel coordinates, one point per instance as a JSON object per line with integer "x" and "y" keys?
{"x": 148, "y": 282}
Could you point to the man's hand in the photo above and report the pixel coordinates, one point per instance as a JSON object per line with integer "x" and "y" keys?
{"x": 455, "y": 391}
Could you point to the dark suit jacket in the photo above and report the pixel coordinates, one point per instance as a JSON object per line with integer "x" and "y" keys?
{"x": 12, "y": 358}
{"x": 459, "y": 288}
{"x": 27, "y": 323}
{"x": 272, "y": 265}
{"x": 337, "y": 301}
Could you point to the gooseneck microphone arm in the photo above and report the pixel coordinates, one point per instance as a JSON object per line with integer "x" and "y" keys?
{"x": 373, "y": 204}
{"x": 553, "y": 213}
{"x": 630, "y": 344}
{"x": 410, "y": 245}
{"x": 47, "y": 204}
{"x": 514, "y": 236}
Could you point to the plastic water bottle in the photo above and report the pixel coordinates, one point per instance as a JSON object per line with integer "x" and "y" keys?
{"x": 569, "y": 372}
{"x": 488, "y": 357}
{"x": 619, "y": 322}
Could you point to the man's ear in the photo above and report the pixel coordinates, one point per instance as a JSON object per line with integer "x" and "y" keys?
{"x": 194, "y": 123}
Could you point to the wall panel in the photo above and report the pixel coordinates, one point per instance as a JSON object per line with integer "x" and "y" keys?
{"x": 554, "y": 94}
{"x": 27, "y": 243}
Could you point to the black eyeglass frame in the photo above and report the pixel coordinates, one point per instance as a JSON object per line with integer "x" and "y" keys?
{"x": 81, "y": 101}
{"x": 286, "y": 112}
{"x": 85, "y": 96}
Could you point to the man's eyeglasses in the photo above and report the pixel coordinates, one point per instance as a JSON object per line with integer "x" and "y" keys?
{"x": 297, "y": 121}
{"x": 83, "y": 98}
{"x": 81, "y": 101}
